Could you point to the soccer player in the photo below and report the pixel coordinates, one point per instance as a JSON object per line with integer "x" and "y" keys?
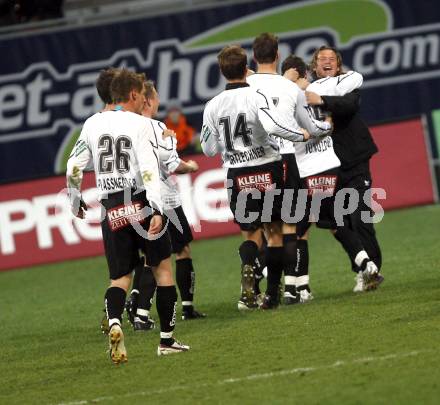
{"x": 354, "y": 146}
{"x": 237, "y": 123}
{"x": 319, "y": 171}
{"x": 290, "y": 102}
{"x": 103, "y": 87}
{"x": 178, "y": 227}
{"x": 119, "y": 142}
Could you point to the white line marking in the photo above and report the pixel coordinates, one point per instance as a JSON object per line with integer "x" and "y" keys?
{"x": 251, "y": 377}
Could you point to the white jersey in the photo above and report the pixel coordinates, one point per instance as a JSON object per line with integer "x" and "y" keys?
{"x": 290, "y": 103}
{"x": 122, "y": 146}
{"x": 169, "y": 160}
{"x": 237, "y": 123}
{"x": 317, "y": 155}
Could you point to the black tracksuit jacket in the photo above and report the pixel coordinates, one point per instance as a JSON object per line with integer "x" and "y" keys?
{"x": 352, "y": 139}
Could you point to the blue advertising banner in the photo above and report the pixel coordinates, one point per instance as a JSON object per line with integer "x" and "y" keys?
{"x": 47, "y": 79}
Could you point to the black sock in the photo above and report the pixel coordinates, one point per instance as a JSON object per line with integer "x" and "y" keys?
{"x": 114, "y": 300}
{"x": 166, "y": 300}
{"x": 302, "y": 266}
{"x": 185, "y": 279}
{"x": 138, "y": 270}
{"x": 289, "y": 263}
{"x": 274, "y": 260}
{"x": 351, "y": 244}
{"x": 248, "y": 251}
{"x": 147, "y": 288}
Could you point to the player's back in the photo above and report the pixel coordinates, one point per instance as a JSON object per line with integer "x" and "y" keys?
{"x": 234, "y": 115}
{"x": 111, "y": 136}
{"x": 284, "y": 94}
{"x": 280, "y": 89}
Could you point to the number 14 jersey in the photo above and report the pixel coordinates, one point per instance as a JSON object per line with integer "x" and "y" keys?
{"x": 237, "y": 123}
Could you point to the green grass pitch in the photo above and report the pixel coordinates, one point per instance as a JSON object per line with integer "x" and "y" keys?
{"x": 376, "y": 348}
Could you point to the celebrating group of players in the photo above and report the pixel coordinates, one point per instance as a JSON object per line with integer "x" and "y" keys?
{"x": 294, "y": 158}
{"x": 290, "y": 147}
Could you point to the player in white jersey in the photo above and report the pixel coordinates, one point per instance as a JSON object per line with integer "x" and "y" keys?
{"x": 119, "y": 143}
{"x": 290, "y": 102}
{"x": 319, "y": 170}
{"x": 237, "y": 123}
{"x": 177, "y": 224}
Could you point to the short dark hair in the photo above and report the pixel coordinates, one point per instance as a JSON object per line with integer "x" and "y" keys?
{"x": 232, "y": 60}
{"x": 294, "y": 62}
{"x": 149, "y": 87}
{"x": 265, "y": 48}
{"x": 313, "y": 63}
{"x": 103, "y": 83}
{"x": 125, "y": 82}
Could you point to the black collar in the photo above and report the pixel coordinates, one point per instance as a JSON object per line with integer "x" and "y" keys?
{"x": 232, "y": 86}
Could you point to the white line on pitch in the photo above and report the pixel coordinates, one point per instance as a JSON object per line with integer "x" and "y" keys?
{"x": 339, "y": 363}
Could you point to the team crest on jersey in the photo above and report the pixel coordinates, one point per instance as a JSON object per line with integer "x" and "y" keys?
{"x": 124, "y": 215}
{"x": 275, "y": 100}
{"x": 256, "y": 181}
{"x": 322, "y": 184}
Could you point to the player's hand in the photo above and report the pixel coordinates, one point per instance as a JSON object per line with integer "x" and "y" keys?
{"x": 306, "y": 134}
{"x": 313, "y": 98}
{"x": 168, "y": 133}
{"x": 155, "y": 224}
{"x": 193, "y": 165}
{"x": 302, "y": 83}
{"x": 81, "y": 211}
{"x": 329, "y": 119}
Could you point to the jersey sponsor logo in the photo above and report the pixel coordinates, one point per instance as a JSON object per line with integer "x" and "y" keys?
{"x": 324, "y": 184}
{"x": 319, "y": 146}
{"x": 256, "y": 181}
{"x": 247, "y": 156}
{"x": 123, "y": 215}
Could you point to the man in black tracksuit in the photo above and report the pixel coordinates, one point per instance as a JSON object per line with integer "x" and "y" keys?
{"x": 353, "y": 145}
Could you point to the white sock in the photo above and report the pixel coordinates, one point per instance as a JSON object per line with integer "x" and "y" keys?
{"x": 166, "y": 335}
{"x": 142, "y": 312}
{"x": 360, "y": 257}
{"x": 114, "y": 321}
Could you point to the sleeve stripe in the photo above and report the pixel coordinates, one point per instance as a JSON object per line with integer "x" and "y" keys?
{"x": 314, "y": 120}
{"x": 345, "y": 76}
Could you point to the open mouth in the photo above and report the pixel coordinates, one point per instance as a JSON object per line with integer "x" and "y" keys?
{"x": 327, "y": 68}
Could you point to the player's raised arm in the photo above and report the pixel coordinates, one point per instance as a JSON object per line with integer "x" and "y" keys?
{"x": 78, "y": 160}
{"x": 149, "y": 167}
{"x": 275, "y": 124}
{"x": 306, "y": 119}
{"x": 348, "y": 82}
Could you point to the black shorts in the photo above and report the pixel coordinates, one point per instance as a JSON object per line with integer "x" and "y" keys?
{"x": 324, "y": 185}
{"x": 124, "y": 234}
{"x": 179, "y": 237}
{"x": 292, "y": 182}
{"x": 262, "y": 182}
